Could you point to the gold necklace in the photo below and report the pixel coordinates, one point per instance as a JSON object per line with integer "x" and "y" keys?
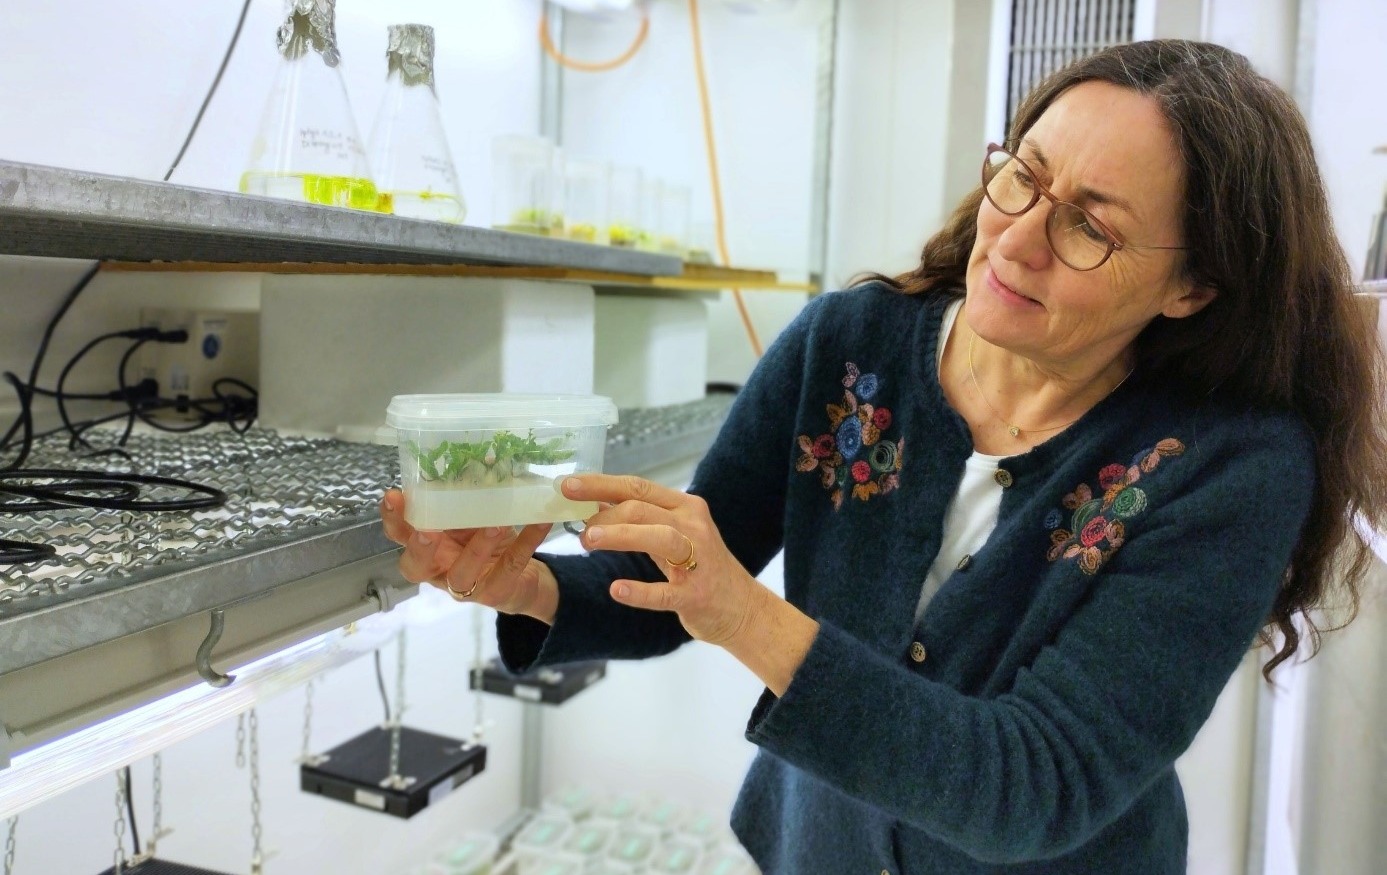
{"x": 1015, "y": 430}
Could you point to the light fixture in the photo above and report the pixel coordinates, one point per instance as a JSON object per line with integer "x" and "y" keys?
{"x": 66, "y": 763}
{"x": 598, "y": 7}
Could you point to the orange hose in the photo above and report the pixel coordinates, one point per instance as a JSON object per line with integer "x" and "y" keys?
{"x": 546, "y": 39}
{"x": 720, "y": 219}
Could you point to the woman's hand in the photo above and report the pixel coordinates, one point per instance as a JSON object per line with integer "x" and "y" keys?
{"x": 494, "y": 567}
{"x": 714, "y": 596}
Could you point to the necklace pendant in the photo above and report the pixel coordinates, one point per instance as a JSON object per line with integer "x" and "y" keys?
{"x": 1015, "y": 432}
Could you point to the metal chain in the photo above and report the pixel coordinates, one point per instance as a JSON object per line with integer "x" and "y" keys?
{"x": 257, "y": 861}
{"x": 241, "y": 741}
{"x": 398, "y": 722}
{"x": 400, "y": 680}
{"x": 9, "y": 846}
{"x": 307, "y": 720}
{"x": 307, "y": 757}
{"x": 120, "y": 825}
{"x": 158, "y": 826}
{"x": 478, "y": 667}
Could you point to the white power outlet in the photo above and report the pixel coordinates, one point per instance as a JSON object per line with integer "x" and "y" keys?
{"x": 221, "y": 343}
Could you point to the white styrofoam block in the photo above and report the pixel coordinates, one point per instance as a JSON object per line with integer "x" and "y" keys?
{"x": 650, "y": 351}
{"x": 335, "y": 349}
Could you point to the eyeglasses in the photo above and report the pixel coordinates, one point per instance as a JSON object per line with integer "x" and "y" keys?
{"x": 1075, "y": 235}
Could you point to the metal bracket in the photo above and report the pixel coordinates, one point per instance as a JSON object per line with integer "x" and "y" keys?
{"x": 384, "y": 595}
{"x": 204, "y": 652}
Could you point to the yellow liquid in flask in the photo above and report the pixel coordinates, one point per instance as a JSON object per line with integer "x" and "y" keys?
{"x": 313, "y": 188}
{"x": 430, "y": 205}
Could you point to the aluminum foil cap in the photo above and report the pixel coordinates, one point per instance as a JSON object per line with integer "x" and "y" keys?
{"x": 411, "y": 52}
{"x": 309, "y": 24}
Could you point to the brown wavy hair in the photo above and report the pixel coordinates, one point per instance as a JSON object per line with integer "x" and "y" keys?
{"x": 1284, "y": 331}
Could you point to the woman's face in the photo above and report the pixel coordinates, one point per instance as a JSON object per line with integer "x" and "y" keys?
{"x": 1107, "y": 149}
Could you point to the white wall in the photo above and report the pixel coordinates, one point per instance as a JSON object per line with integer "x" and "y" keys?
{"x": 761, "y": 74}
{"x": 890, "y": 135}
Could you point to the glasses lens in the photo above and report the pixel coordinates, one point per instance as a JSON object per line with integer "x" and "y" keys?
{"x": 1076, "y": 237}
{"x": 1009, "y": 187}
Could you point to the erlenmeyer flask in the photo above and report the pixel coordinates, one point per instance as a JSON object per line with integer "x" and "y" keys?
{"x": 409, "y": 151}
{"x": 307, "y": 148}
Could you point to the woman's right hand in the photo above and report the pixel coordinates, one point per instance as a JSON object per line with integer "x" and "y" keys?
{"x": 494, "y": 567}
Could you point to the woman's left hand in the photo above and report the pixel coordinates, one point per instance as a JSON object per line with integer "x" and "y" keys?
{"x": 714, "y": 596}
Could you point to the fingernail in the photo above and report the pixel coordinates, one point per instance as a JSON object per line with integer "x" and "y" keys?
{"x": 493, "y": 532}
{"x": 572, "y": 484}
{"x": 385, "y": 503}
{"x": 623, "y": 591}
{"x": 594, "y": 534}
{"x": 423, "y": 538}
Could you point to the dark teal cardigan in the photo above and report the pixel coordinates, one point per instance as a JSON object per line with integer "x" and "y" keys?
{"x": 1031, "y": 720}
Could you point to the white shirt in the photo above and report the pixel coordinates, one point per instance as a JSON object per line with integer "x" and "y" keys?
{"x": 972, "y": 514}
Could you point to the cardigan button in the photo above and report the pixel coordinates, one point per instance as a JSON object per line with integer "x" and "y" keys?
{"x": 964, "y": 562}
{"x": 1003, "y": 477}
{"x": 917, "y": 651}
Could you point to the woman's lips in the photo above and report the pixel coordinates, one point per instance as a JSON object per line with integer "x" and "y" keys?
{"x": 1007, "y": 293}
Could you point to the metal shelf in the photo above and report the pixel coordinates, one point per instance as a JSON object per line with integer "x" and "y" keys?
{"x": 60, "y": 213}
{"x": 296, "y": 507}
{"x": 115, "y": 618}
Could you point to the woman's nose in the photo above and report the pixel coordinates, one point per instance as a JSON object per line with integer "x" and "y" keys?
{"x": 1024, "y": 240}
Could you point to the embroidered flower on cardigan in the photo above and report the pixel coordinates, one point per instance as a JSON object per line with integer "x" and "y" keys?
{"x": 854, "y": 457}
{"x": 1098, "y": 526}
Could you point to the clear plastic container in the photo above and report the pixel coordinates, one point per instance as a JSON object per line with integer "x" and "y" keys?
{"x": 634, "y": 845}
{"x": 409, "y": 151}
{"x": 619, "y": 808}
{"x": 552, "y": 864}
{"x": 470, "y": 461}
{"x": 471, "y": 855}
{"x": 542, "y": 836}
{"x": 676, "y": 856}
{"x": 522, "y": 184}
{"x": 590, "y": 840}
{"x": 662, "y": 814}
{"x": 586, "y": 186}
{"x": 307, "y": 147}
{"x": 576, "y": 802}
{"x": 626, "y": 223}
{"x": 703, "y": 826}
{"x": 672, "y": 220}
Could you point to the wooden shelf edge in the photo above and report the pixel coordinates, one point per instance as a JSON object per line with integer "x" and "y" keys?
{"x": 696, "y": 278}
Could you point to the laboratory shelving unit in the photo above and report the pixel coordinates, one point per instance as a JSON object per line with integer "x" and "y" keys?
{"x": 135, "y": 606}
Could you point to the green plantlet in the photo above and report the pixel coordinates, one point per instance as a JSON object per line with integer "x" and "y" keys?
{"x": 492, "y": 462}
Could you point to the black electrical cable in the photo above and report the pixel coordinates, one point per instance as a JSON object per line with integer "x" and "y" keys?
{"x": 130, "y": 808}
{"x": 68, "y": 489}
{"x": 61, "y": 397}
{"x": 25, "y": 421}
{"x": 380, "y": 682}
{"x": 17, "y": 552}
{"x": 216, "y": 80}
{"x": 12, "y": 552}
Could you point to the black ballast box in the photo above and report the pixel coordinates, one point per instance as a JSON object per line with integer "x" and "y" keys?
{"x": 354, "y": 770}
{"x": 551, "y": 686}
{"x": 160, "y": 867}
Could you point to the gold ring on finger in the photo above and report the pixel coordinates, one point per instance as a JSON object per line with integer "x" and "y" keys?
{"x": 688, "y": 564}
{"x": 457, "y": 594}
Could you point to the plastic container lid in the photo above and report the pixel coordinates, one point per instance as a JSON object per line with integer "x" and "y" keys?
{"x": 500, "y": 410}
{"x": 578, "y": 802}
{"x": 473, "y": 854}
{"x": 545, "y": 832}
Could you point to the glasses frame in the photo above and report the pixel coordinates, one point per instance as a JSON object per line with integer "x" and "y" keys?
{"x": 1114, "y": 244}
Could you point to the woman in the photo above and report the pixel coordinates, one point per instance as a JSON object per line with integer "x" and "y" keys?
{"x": 1037, "y": 497}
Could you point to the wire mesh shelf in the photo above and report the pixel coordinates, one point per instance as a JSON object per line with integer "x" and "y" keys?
{"x": 278, "y": 489}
